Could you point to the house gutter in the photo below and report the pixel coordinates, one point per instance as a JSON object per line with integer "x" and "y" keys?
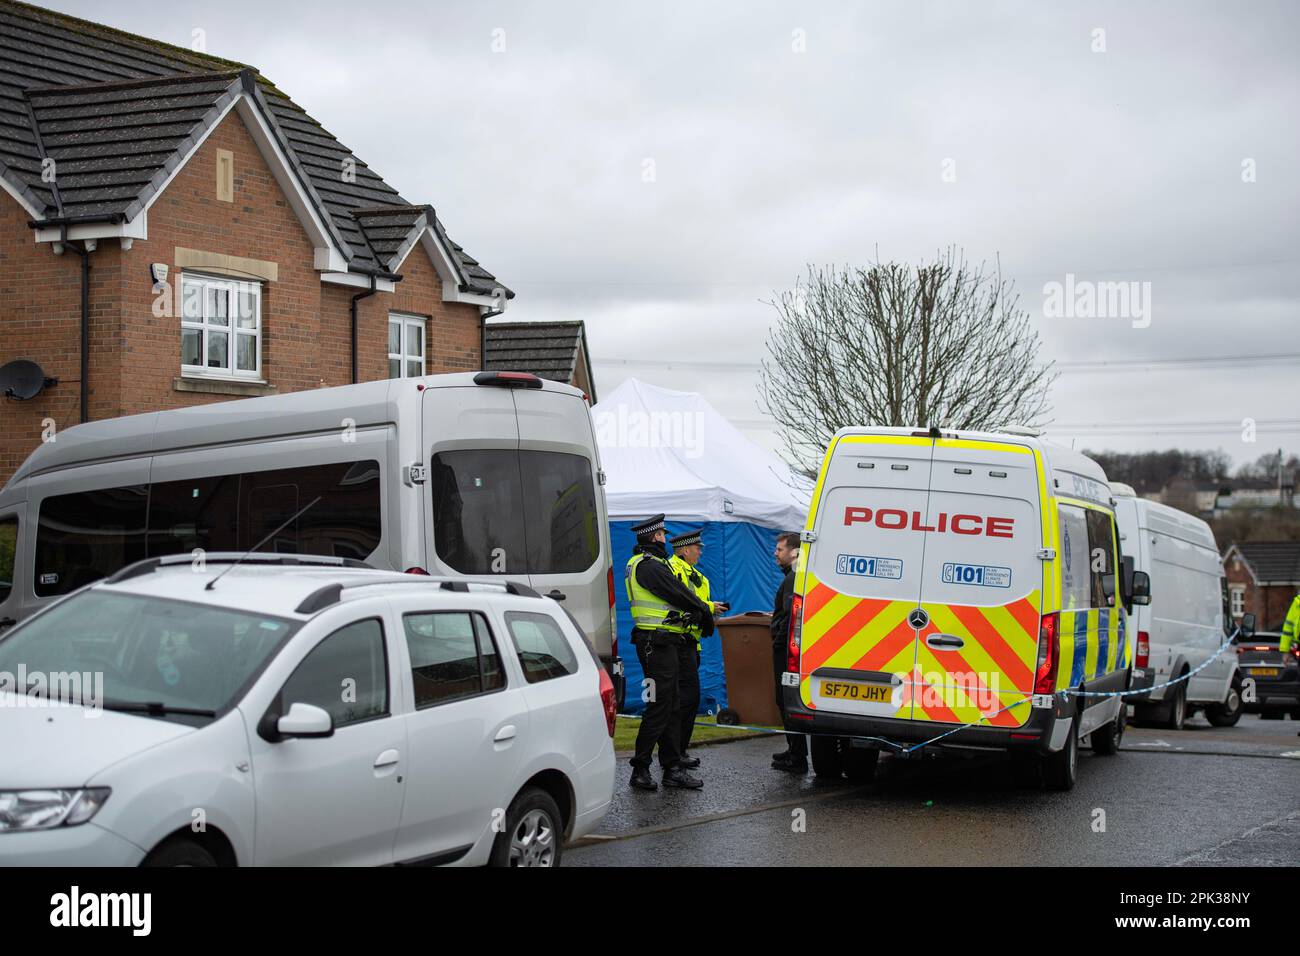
{"x": 484, "y": 315}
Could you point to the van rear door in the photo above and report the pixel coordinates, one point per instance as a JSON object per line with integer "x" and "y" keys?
{"x": 864, "y": 576}
{"x": 981, "y": 584}
{"x": 567, "y": 535}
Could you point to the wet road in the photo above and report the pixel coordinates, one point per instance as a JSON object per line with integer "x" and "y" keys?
{"x": 1201, "y": 796}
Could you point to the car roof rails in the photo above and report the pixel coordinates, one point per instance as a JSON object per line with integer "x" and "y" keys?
{"x": 330, "y": 594}
{"x": 150, "y": 565}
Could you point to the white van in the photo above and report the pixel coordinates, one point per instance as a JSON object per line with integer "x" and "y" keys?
{"x": 488, "y": 473}
{"x": 953, "y": 578}
{"x": 1187, "y": 619}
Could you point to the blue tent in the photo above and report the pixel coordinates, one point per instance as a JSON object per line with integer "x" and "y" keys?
{"x": 671, "y": 452}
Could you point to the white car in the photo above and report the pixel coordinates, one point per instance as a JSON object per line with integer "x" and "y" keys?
{"x": 300, "y": 710}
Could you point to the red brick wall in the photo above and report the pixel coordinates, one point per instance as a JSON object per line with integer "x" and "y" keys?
{"x": 1268, "y": 604}
{"x": 135, "y": 356}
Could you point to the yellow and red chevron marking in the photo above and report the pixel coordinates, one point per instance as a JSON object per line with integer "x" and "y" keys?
{"x": 999, "y": 646}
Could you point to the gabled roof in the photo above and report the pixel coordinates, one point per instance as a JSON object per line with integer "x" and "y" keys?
{"x": 1270, "y": 562}
{"x": 117, "y": 112}
{"x": 548, "y": 349}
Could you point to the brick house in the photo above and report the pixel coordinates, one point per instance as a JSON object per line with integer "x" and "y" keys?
{"x": 1263, "y": 578}
{"x": 204, "y": 237}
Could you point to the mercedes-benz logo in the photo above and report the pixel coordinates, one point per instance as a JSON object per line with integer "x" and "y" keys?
{"x": 918, "y": 618}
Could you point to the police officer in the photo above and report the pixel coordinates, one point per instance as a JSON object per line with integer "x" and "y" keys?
{"x": 663, "y": 609}
{"x": 687, "y": 548}
{"x": 794, "y": 759}
{"x": 1291, "y": 627}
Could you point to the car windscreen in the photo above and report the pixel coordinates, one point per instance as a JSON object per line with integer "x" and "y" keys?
{"x": 121, "y": 650}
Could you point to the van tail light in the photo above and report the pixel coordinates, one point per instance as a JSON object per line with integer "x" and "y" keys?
{"x": 508, "y": 379}
{"x": 796, "y": 634}
{"x": 1143, "y": 650}
{"x": 607, "y": 700}
{"x": 1049, "y": 653}
{"x": 416, "y": 571}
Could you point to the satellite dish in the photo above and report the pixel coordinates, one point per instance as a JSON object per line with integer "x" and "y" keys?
{"x": 23, "y": 379}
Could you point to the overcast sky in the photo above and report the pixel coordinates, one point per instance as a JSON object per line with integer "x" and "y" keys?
{"x": 658, "y": 170}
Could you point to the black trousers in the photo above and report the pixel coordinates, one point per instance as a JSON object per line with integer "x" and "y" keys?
{"x": 688, "y": 689}
{"x": 661, "y": 724}
{"x": 796, "y": 744}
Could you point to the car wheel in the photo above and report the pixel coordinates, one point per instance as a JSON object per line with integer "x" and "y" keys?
{"x": 1106, "y": 740}
{"x": 180, "y": 852}
{"x": 1229, "y": 712}
{"x": 827, "y": 760}
{"x": 1176, "y": 710}
{"x": 860, "y": 764}
{"x": 1060, "y": 770}
{"x": 533, "y": 835}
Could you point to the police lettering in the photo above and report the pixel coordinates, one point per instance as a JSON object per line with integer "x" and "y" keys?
{"x": 895, "y": 519}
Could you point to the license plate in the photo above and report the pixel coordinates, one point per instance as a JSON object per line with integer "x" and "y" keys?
{"x": 1265, "y": 671}
{"x": 850, "y": 690}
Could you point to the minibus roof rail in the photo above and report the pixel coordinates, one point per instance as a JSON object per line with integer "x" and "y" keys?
{"x": 330, "y": 594}
{"x": 150, "y": 565}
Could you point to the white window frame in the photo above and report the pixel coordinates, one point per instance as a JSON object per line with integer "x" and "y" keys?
{"x": 405, "y": 322}
{"x": 1237, "y": 600}
{"x": 203, "y": 325}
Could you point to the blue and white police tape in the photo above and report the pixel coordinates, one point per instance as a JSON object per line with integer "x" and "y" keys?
{"x": 904, "y": 751}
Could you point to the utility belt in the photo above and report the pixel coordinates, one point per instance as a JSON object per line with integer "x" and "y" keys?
{"x": 657, "y": 638}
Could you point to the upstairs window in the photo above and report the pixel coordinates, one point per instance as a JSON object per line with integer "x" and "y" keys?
{"x": 221, "y": 327}
{"x": 405, "y": 345}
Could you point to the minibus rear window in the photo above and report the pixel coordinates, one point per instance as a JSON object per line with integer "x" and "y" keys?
{"x": 501, "y": 511}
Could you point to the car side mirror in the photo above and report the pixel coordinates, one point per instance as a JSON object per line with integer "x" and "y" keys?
{"x": 1141, "y": 588}
{"x": 305, "y": 720}
{"x": 1247, "y": 626}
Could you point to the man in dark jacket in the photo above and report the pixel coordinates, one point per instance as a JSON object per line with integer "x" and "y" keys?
{"x": 794, "y": 759}
{"x": 663, "y": 612}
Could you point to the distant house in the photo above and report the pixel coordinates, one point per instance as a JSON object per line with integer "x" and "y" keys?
{"x": 1263, "y": 578}
{"x": 1210, "y": 499}
{"x": 554, "y": 350}
{"x": 175, "y": 230}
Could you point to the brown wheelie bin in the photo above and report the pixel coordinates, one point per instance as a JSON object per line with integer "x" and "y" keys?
{"x": 747, "y": 661}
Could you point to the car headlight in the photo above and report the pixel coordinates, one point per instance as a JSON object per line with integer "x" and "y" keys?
{"x": 47, "y": 809}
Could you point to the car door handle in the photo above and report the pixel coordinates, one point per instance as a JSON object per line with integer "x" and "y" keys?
{"x": 556, "y": 595}
{"x": 505, "y": 734}
{"x": 945, "y": 641}
{"x": 386, "y": 759}
{"x": 7, "y": 622}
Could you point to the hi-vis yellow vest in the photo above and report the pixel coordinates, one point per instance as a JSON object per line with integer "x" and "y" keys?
{"x": 649, "y": 612}
{"x": 688, "y": 574}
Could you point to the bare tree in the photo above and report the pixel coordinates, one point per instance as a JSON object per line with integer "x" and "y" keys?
{"x": 940, "y": 344}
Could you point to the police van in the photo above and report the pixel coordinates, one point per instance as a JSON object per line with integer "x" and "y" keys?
{"x": 952, "y": 578}
{"x": 470, "y": 474}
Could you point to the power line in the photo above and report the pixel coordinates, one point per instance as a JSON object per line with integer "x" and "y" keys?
{"x": 1099, "y": 365}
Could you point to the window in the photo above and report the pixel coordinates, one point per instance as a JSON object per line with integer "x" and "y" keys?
{"x": 405, "y": 346}
{"x": 8, "y": 549}
{"x": 85, "y": 536}
{"x": 452, "y": 657}
{"x": 346, "y": 674}
{"x": 544, "y": 651}
{"x": 1101, "y": 556}
{"x": 500, "y": 511}
{"x": 221, "y": 327}
{"x": 1237, "y": 595}
{"x": 1076, "y": 580}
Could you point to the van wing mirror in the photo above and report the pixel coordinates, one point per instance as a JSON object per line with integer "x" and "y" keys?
{"x": 1141, "y": 588}
{"x": 1247, "y": 626}
{"x": 1126, "y": 581}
